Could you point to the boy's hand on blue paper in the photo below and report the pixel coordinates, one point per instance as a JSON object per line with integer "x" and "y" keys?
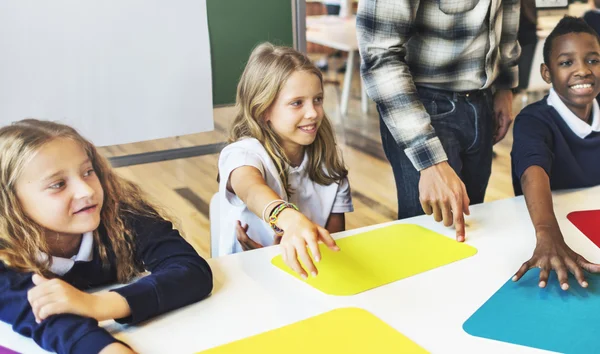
{"x": 54, "y": 296}
{"x": 298, "y": 234}
{"x": 552, "y": 253}
{"x": 242, "y": 236}
{"x": 443, "y": 194}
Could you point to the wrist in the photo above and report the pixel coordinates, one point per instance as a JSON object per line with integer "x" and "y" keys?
{"x": 268, "y": 209}
{"x": 115, "y": 348}
{"x": 433, "y": 168}
{"x": 274, "y": 220}
{"x": 548, "y": 233}
{"x": 95, "y": 307}
{"x": 505, "y": 92}
{"x": 287, "y": 218}
{"x": 110, "y": 305}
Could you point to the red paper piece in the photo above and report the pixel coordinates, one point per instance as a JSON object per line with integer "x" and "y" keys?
{"x": 588, "y": 222}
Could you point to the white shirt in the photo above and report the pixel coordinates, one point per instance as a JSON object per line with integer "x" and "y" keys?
{"x": 315, "y": 201}
{"x": 578, "y": 126}
{"x": 61, "y": 266}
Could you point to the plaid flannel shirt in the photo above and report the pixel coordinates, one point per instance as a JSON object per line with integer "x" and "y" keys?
{"x": 454, "y": 45}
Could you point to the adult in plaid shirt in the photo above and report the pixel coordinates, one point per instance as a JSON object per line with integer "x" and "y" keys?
{"x": 441, "y": 73}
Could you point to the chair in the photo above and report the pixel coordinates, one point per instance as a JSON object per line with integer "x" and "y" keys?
{"x": 213, "y": 214}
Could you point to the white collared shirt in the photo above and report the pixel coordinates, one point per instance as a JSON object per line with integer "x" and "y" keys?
{"x": 314, "y": 200}
{"x": 61, "y": 266}
{"x": 578, "y": 126}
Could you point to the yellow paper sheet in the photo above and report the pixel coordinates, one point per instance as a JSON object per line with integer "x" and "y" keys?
{"x": 345, "y": 330}
{"x": 381, "y": 256}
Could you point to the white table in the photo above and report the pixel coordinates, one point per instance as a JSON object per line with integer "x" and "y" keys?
{"x": 338, "y": 33}
{"x": 252, "y": 296}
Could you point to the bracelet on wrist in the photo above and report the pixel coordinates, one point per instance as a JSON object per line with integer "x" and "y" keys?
{"x": 275, "y": 215}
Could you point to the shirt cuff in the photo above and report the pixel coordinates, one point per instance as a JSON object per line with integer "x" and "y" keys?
{"x": 142, "y": 299}
{"x": 426, "y": 154}
{"x": 93, "y": 342}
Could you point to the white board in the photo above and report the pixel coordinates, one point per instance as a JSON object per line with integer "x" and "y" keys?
{"x": 119, "y": 71}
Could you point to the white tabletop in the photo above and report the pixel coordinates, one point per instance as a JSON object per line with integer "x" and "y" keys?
{"x": 252, "y": 296}
{"x": 332, "y": 31}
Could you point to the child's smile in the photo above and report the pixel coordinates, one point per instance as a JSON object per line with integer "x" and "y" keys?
{"x": 583, "y": 88}
{"x": 309, "y": 128}
{"x": 88, "y": 209}
{"x": 574, "y": 71}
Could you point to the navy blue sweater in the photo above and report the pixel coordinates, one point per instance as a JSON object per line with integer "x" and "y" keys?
{"x": 542, "y": 138}
{"x": 178, "y": 277}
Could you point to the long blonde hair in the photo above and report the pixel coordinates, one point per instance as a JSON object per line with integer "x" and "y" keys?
{"x": 21, "y": 238}
{"x": 267, "y": 70}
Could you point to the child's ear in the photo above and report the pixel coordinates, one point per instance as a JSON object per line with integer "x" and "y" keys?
{"x": 267, "y": 116}
{"x": 545, "y": 73}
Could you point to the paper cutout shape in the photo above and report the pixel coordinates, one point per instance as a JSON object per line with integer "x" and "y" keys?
{"x": 545, "y": 318}
{"x": 4, "y": 350}
{"x": 381, "y": 256}
{"x": 345, "y": 330}
{"x": 588, "y": 222}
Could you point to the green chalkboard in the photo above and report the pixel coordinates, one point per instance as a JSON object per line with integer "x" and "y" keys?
{"x": 235, "y": 28}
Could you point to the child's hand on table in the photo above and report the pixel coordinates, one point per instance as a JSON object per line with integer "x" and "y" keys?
{"x": 300, "y": 233}
{"x": 552, "y": 253}
{"x": 54, "y": 296}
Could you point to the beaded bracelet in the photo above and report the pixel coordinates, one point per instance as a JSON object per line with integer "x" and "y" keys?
{"x": 275, "y": 214}
{"x": 267, "y": 207}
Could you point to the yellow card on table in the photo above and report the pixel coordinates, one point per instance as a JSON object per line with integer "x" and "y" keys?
{"x": 345, "y": 330}
{"x": 379, "y": 257}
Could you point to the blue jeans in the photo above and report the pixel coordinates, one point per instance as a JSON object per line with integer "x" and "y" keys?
{"x": 465, "y": 126}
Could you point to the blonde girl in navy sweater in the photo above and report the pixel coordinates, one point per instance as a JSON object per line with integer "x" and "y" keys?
{"x": 69, "y": 223}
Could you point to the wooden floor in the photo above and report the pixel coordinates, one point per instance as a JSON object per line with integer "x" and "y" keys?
{"x": 184, "y": 186}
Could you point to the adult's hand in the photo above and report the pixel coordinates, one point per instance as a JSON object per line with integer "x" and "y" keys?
{"x": 443, "y": 194}
{"x": 502, "y": 113}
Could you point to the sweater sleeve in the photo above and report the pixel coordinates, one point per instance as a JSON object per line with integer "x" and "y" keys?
{"x": 510, "y": 49}
{"x": 59, "y": 333}
{"x": 179, "y": 276}
{"x": 532, "y": 146}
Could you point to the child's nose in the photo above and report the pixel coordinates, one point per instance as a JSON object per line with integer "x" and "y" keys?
{"x": 584, "y": 69}
{"x": 83, "y": 190}
{"x": 311, "y": 112}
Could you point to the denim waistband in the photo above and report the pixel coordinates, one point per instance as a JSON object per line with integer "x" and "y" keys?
{"x": 474, "y": 94}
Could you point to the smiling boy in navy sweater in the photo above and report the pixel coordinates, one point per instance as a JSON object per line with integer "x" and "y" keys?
{"x": 557, "y": 145}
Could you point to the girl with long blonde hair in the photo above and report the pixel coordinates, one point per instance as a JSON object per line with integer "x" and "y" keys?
{"x": 282, "y": 178}
{"x": 69, "y": 223}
